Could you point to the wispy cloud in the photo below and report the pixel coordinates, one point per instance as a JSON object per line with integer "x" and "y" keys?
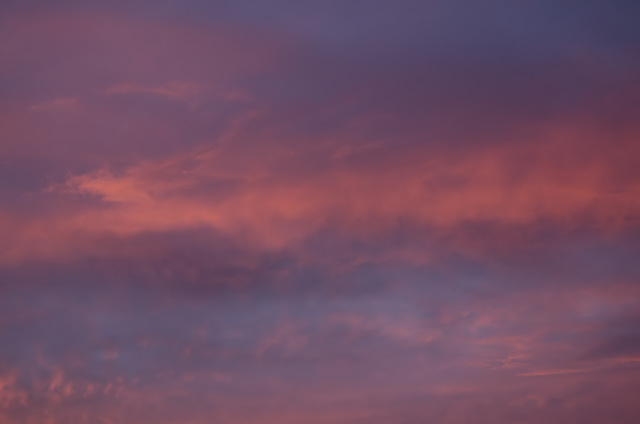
{"x": 174, "y": 90}
{"x": 543, "y": 373}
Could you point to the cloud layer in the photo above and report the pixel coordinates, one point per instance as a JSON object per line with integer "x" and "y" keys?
{"x": 285, "y": 212}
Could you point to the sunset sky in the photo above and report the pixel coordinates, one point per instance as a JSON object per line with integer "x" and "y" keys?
{"x": 310, "y": 212}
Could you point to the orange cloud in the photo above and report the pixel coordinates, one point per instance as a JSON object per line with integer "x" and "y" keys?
{"x": 511, "y": 185}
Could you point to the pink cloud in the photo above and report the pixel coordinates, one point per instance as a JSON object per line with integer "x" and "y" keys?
{"x": 225, "y": 192}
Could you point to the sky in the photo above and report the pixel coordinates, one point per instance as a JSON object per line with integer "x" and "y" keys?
{"x": 310, "y": 212}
